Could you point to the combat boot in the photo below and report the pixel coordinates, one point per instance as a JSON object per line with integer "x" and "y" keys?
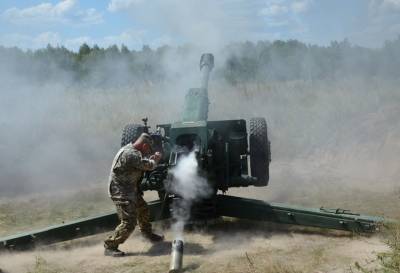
{"x": 113, "y": 252}
{"x": 152, "y": 237}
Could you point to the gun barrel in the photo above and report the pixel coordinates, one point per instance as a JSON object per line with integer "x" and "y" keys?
{"x": 176, "y": 256}
{"x": 206, "y": 65}
{"x": 196, "y": 99}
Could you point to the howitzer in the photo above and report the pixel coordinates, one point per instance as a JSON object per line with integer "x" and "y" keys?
{"x": 230, "y": 153}
{"x": 224, "y": 148}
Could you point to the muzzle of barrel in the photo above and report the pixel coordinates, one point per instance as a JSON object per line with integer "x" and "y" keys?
{"x": 176, "y": 257}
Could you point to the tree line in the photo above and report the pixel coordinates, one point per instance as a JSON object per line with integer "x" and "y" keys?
{"x": 261, "y": 61}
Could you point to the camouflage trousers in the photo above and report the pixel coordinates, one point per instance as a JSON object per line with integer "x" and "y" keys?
{"x": 129, "y": 212}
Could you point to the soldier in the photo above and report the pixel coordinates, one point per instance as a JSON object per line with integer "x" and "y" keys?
{"x": 126, "y": 174}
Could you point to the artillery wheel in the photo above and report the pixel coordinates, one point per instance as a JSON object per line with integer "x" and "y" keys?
{"x": 260, "y": 151}
{"x": 131, "y": 132}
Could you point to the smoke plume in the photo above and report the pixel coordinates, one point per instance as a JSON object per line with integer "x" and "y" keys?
{"x": 190, "y": 187}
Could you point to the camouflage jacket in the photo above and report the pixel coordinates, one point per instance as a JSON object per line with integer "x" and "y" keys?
{"x": 127, "y": 172}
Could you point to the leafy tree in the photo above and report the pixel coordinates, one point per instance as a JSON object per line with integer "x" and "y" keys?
{"x": 124, "y": 50}
{"x": 84, "y": 49}
{"x": 263, "y": 61}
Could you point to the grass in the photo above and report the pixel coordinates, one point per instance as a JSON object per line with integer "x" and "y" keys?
{"x": 23, "y": 214}
{"x": 247, "y": 263}
{"x": 389, "y": 261}
{"x": 261, "y": 265}
{"x": 42, "y": 266}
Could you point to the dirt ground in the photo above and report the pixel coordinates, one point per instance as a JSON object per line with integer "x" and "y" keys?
{"x": 244, "y": 249}
{"x": 240, "y": 246}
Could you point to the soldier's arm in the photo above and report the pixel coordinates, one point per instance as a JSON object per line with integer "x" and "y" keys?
{"x": 141, "y": 163}
{"x": 145, "y": 164}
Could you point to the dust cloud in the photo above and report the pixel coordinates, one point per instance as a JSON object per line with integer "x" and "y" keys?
{"x": 59, "y": 131}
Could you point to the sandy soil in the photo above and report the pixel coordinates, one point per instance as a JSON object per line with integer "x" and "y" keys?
{"x": 244, "y": 248}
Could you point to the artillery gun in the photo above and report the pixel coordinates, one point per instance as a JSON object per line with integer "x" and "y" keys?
{"x": 230, "y": 153}
{"x": 224, "y": 149}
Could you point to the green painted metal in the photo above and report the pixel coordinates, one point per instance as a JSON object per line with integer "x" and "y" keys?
{"x": 285, "y": 214}
{"x": 196, "y": 105}
{"x": 74, "y": 229}
{"x": 230, "y": 206}
{"x": 194, "y": 128}
{"x": 196, "y": 99}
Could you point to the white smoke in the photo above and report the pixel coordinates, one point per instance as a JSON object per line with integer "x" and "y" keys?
{"x": 187, "y": 183}
{"x": 190, "y": 186}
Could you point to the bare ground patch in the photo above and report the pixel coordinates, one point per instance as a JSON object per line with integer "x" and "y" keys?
{"x": 230, "y": 246}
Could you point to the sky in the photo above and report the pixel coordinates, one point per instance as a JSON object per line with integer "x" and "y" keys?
{"x": 33, "y": 24}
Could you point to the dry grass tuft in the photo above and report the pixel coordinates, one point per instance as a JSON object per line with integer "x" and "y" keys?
{"x": 267, "y": 266}
{"x": 389, "y": 261}
{"x": 42, "y": 266}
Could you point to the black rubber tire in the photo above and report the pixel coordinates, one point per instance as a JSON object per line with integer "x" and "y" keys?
{"x": 131, "y": 132}
{"x": 260, "y": 151}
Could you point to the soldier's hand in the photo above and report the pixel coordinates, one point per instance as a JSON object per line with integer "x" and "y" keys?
{"x": 156, "y": 157}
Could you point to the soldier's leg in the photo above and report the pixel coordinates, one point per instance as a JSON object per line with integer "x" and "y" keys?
{"x": 143, "y": 216}
{"x": 126, "y": 211}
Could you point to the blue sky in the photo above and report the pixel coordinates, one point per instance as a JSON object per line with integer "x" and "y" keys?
{"x": 208, "y": 23}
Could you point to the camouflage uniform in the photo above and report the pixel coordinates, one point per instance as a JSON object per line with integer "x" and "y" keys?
{"x": 125, "y": 177}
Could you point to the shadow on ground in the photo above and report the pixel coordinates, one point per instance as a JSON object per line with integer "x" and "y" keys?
{"x": 247, "y": 229}
{"x": 164, "y": 248}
